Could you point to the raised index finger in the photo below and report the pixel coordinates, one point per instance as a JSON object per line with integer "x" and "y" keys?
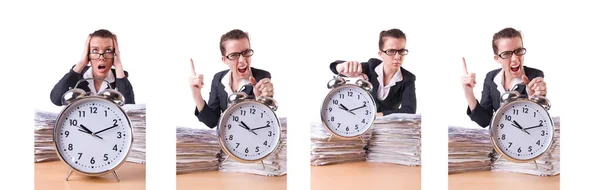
{"x": 193, "y": 68}
{"x": 465, "y": 66}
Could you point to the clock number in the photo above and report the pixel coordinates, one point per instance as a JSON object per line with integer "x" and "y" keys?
{"x": 270, "y": 134}
{"x": 261, "y": 115}
{"x": 529, "y": 149}
{"x": 335, "y": 102}
{"x": 363, "y": 121}
{"x": 366, "y": 112}
{"x": 538, "y": 143}
{"x": 114, "y": 121}
{"x": 507, "y": 117}
{"x": 228, "y": 126}
{"x": 525, "y": 110}
{"x": 93, "y": 109}
{"x": 79, "y": 156}
{"x": 73, "y": 122}
{"x": 92, "y": 161}
{"x": 236, "y": 118}
{"x": 118, "y": 135}
{"x": 349, "y": 94}
{"x": 355, "y": 127}
{"x": 341, "y": 96}
{"x": 359, "y": 97}
{"x": 252, "y": 111}
{"x": 509, "y": 144}
{"x": 105, "y": 113}
{"x": 81, "y": 113}
{"x": 237, "y": 145}
{"x": 339, "y": 125}
{"x": 230, "y": 137}
{"x": 246, "y": 150}
{"x": 268, "y": 122}
{"x": 332, "y": 119}
{"x": 105, "y": 157}
{"x": 501, "y": 126}
{"x": 265, "y": 143}
{"x": 541, "y": 122}
{"x": 534, "y": 114}
{"x": 516, "y": 112}
{"x": 347, "y": 128}
{"x": 70, "y": 147}
{"x": 330, "y": 109}
{"x": 115, "y": 148}
{"x": 543, "y": 132}
{"x": 519, "y": 150}
{"x": 365, "y": 103}
{"x": 256, "y": 149}
{"x": 242, "y": 112}
{"x": 66, "y": 133}
{"x": 503, "y": 136}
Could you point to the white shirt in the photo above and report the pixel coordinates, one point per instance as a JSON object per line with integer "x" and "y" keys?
{"x": 89, "y": 74}
{"x": 499, "y": 80}
{"x": 226, "y": 81}
{"x": 383, "y": 91}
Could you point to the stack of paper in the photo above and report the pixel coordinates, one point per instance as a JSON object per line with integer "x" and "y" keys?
{"x": 396, "y": 139}
{"x": 43, "y": 144}
{"x": 468, "y": 149}
{"x": 326, "y": 150}
{"x": 137, "y": 116}
{"x": 197, "y": 150}
{"x": 274, "y": 165}
{"x": 548, "y": 164}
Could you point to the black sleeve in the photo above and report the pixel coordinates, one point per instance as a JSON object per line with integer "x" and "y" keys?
{"x": 409, "y": 100}
{"x": 212, "y": 111}
{"x": 365, "y": 67}
{"x": 484, "y": 111}
{"x": 125, "y": 88}
{"x": 69, "y": 80}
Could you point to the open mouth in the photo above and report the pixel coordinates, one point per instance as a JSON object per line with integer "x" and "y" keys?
{"x": 242, "y": 70}
{"x": 515, "y": 69}
{"x": 101, "y": 67}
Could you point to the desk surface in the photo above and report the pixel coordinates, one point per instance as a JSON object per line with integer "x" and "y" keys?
{"x": 229, "y": 180}
{"x": 489, "y": 180}
{"x": 352, "y": 175}
{"x": 51, "y": 175}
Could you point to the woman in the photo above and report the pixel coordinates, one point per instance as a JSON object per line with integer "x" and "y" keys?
{"x": 102, "y": 51}
{"x": 235, "y": 53}
{"x": 393, "y": 86}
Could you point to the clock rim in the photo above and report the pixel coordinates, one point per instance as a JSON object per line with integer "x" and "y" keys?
{"x": 55, "y": 134}
{"x": 324, "y": 105}
{"x": 493, "y": 135}
{"x": 222, "y": 140}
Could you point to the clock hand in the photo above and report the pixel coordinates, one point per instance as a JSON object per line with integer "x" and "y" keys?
{"x": 519, "y": 126}
{"x": 246, "y": 127}
{"x": 90, "y": 133}
{"x": 346, "y": 109}
{"x": 105, "y": 129}
{"x": 261, "y": 127}
{"x": 533, "y": 127}
{"x": 359, "y": 107}
{"x": 85, "y": 128}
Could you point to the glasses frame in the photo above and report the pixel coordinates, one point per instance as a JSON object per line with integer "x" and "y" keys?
{"x": 251, "y": 51}
{"x": 102, "y": 54}
{"x": 524, "y": 50}
{"x": 398, "y": 51}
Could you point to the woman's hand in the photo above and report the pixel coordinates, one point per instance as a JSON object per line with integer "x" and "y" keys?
{"x": 117, "y": 59}
{"x": 85, "y": 59}
{"x": 264, "y": 87}
{"x": 196, "y": 84}
{"x": 350, "y": 69}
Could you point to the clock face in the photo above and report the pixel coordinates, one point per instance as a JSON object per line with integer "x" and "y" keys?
{"x": 93, "y": 135}
{"x": 249, "y": 130}
{"x": 348, "y": 111}
{"x": 522, "y": 130}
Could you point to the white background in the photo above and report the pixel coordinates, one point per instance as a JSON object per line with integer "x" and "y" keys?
{"x": 296, "y": 41}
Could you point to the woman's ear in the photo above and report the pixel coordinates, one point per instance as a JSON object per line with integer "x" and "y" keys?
{"x": 223, "y": 59}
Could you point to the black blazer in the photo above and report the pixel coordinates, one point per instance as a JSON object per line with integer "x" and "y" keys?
{"x": 490, "y": 96}
{"x": 403, "y": 93}
{"x": 217, "y": 102}
{"x": 71, "y": 78}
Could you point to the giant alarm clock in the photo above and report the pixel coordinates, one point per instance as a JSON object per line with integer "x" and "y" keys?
{"x": 92, "y": 134}
{"x": 522, "y": 129}
{"x": 249, "y": 130}
{"x": 348, "y": 110}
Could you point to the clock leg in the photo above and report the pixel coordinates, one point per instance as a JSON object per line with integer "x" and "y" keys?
{"x": 226, "y": 158}
{"x": 116, "y": 176}
{"x": 263, "y": 164}
{"x": 499, "y": 157}
{"x": 362, "y": 139}
{"x": 330, "y": 136}
{"x": 536, "y": 166}
{"x": 68, "y": 175}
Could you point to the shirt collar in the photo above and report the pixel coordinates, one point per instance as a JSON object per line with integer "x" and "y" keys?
{"x": 396, "y": 78}
{"x": 110, "y": 77}
{"x": 499, "y": 80}
{"x": 226, "y": 81}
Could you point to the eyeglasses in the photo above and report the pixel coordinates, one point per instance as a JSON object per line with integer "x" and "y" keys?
{"x": 508, "y": 54}
{"x": 106, "y": 55}
{"x": 236, "y": 55}
{"x": 393, "y": 52}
